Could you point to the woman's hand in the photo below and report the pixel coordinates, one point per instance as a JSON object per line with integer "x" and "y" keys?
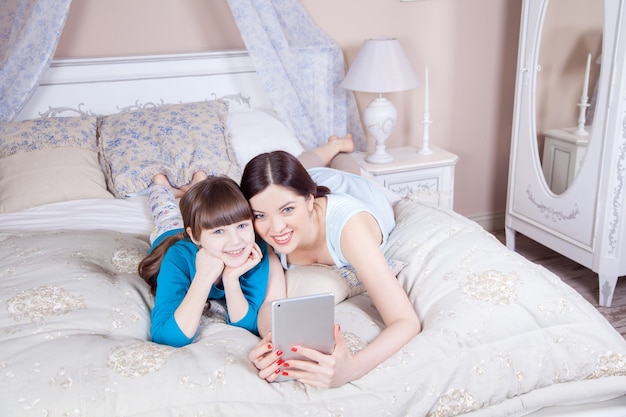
{"x": 321, "y": 370}
{"x": 265, "y": 359}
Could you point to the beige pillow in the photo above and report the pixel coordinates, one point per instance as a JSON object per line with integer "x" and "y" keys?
{"x": 49, "y": 176}
{"x": 49, "y": 160}
{"x": 342, "y": 282}
{"x": 315, "y": 279}
{"x": 171, "y": 139}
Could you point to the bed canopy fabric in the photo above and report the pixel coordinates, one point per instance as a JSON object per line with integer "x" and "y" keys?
{"x": 29, "y": 34}
{"x": 292, "y": 55}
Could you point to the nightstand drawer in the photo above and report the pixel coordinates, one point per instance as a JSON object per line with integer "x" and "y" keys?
{"x": 408, "y": 184}
{"x": 427, "y": 178}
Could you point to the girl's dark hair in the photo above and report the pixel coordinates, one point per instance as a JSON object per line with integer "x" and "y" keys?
{"x": 279, "y": 168}
{"x": 214, "y": 202}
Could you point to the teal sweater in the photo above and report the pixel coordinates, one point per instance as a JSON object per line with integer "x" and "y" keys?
{"x": 175, "y": 275}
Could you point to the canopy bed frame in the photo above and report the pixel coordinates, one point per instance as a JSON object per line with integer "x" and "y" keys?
{"x": 501, "y": 335}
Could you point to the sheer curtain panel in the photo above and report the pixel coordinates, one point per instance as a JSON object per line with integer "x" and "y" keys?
{"x": 300, "y": 68}
{"x": 29, "y": 34}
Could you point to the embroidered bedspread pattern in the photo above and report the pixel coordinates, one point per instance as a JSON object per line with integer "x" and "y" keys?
{"x": 513, "y": 333}
{"x": 501, "y": 335}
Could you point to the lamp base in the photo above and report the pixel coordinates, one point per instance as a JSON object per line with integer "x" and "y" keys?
{"x": 379, "y": 157}
{"x": 380, "y": 119}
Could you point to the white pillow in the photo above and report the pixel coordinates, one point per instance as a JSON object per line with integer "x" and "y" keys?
{"x": 254, "y": 131}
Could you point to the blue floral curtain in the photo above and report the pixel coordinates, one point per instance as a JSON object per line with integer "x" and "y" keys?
{"x": 29, "y": 34}
{"x": 300, "y": 68}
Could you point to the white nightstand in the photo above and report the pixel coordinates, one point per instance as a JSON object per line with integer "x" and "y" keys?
{"x": 429, "y": 177}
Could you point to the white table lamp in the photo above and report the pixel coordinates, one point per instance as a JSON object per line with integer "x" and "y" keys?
{"x": 380, "y": 66}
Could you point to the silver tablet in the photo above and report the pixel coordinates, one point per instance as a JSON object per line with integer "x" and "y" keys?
{"x": 303, "y": 321}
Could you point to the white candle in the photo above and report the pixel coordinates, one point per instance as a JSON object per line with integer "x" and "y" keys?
{"x": 586, "y": 83}
{"x": 426, "y": 98}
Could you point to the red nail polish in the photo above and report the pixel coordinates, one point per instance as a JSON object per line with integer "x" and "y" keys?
{"x": 269, "y": 346}
{"x": 279, "y": 353}
{"x": 294, "y": 349}
{"x": 285, "y": 373}
{"x": 277, "y": 371}
{"x": 286, "y": 364}
{"x": 279, "y": 362}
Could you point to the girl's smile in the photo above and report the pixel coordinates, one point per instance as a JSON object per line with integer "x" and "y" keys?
{"x": 234, "y": 252}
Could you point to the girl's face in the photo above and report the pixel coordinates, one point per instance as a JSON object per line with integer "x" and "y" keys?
{"x": 281, "y": 217}
{"x": 231, "y": 244}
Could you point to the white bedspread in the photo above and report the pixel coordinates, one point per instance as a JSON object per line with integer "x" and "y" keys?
{"x": 502, "y": 336}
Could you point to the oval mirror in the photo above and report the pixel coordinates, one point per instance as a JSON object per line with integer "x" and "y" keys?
{"x": 569, "y": 52}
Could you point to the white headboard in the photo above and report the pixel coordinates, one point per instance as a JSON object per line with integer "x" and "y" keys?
{"x": 108, "y": 85}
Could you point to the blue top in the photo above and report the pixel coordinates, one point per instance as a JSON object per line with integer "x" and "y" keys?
{"x": 350, "y": 194}
{"x": 178, "y": 268}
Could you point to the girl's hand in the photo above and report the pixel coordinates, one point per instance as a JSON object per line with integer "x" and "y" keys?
{"x": 253, "y": 259}
{"x": 322, "y": 370}
{"x": 265, "y": 359}
{"x": 208, "y": 266}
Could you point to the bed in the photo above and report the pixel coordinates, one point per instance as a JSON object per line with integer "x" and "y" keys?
{"x": 501, "y": 335}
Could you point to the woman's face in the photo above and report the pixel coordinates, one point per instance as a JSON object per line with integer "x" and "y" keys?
{"x": 231, "y": 244}
{"x": 281, "y": 216}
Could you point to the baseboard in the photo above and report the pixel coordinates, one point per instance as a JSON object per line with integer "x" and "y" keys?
{"x": 492, "y": 222}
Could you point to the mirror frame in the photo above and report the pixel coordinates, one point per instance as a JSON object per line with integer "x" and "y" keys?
{"x": 586, "y": 222}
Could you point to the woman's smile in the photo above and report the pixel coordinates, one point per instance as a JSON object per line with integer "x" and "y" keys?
{"x": 283, "y": 239}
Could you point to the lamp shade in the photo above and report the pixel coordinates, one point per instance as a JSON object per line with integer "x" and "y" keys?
{"x": 381, "y": 66}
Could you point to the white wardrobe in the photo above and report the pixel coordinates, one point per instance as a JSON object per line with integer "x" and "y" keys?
{"x": 585, "y": 222}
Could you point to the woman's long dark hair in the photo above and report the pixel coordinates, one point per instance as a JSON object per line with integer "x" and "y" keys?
{"x": 279, "y": 168}
{"x": 214, "y": 202}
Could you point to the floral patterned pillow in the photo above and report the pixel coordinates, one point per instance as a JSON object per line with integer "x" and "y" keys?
{"x": 48, "y": 133}
{"x": 173, "y": 139}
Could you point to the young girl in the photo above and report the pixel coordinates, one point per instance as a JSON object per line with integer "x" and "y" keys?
{"x": 207, "y": 250}
{"x": 334, "y": 218}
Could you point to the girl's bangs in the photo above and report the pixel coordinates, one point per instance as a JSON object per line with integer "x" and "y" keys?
{"x": 225, "y": 210}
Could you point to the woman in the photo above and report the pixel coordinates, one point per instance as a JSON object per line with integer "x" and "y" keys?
{"x": 335, "y": 218}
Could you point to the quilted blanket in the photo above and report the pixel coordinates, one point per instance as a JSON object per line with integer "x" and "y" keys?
{"x": 501, "y": 335}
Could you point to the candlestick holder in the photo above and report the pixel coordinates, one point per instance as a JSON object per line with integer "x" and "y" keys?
{"x": 425, "y": 149}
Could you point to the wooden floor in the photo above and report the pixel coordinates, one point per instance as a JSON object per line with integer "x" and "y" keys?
{"x": 577, "y": 276}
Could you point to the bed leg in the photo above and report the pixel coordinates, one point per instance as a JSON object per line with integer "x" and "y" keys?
{"x": 606, "y": 285}
{"x": 509, "y": 235}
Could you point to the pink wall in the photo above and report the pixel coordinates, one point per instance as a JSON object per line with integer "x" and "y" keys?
{"x": 470, "y": 48}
